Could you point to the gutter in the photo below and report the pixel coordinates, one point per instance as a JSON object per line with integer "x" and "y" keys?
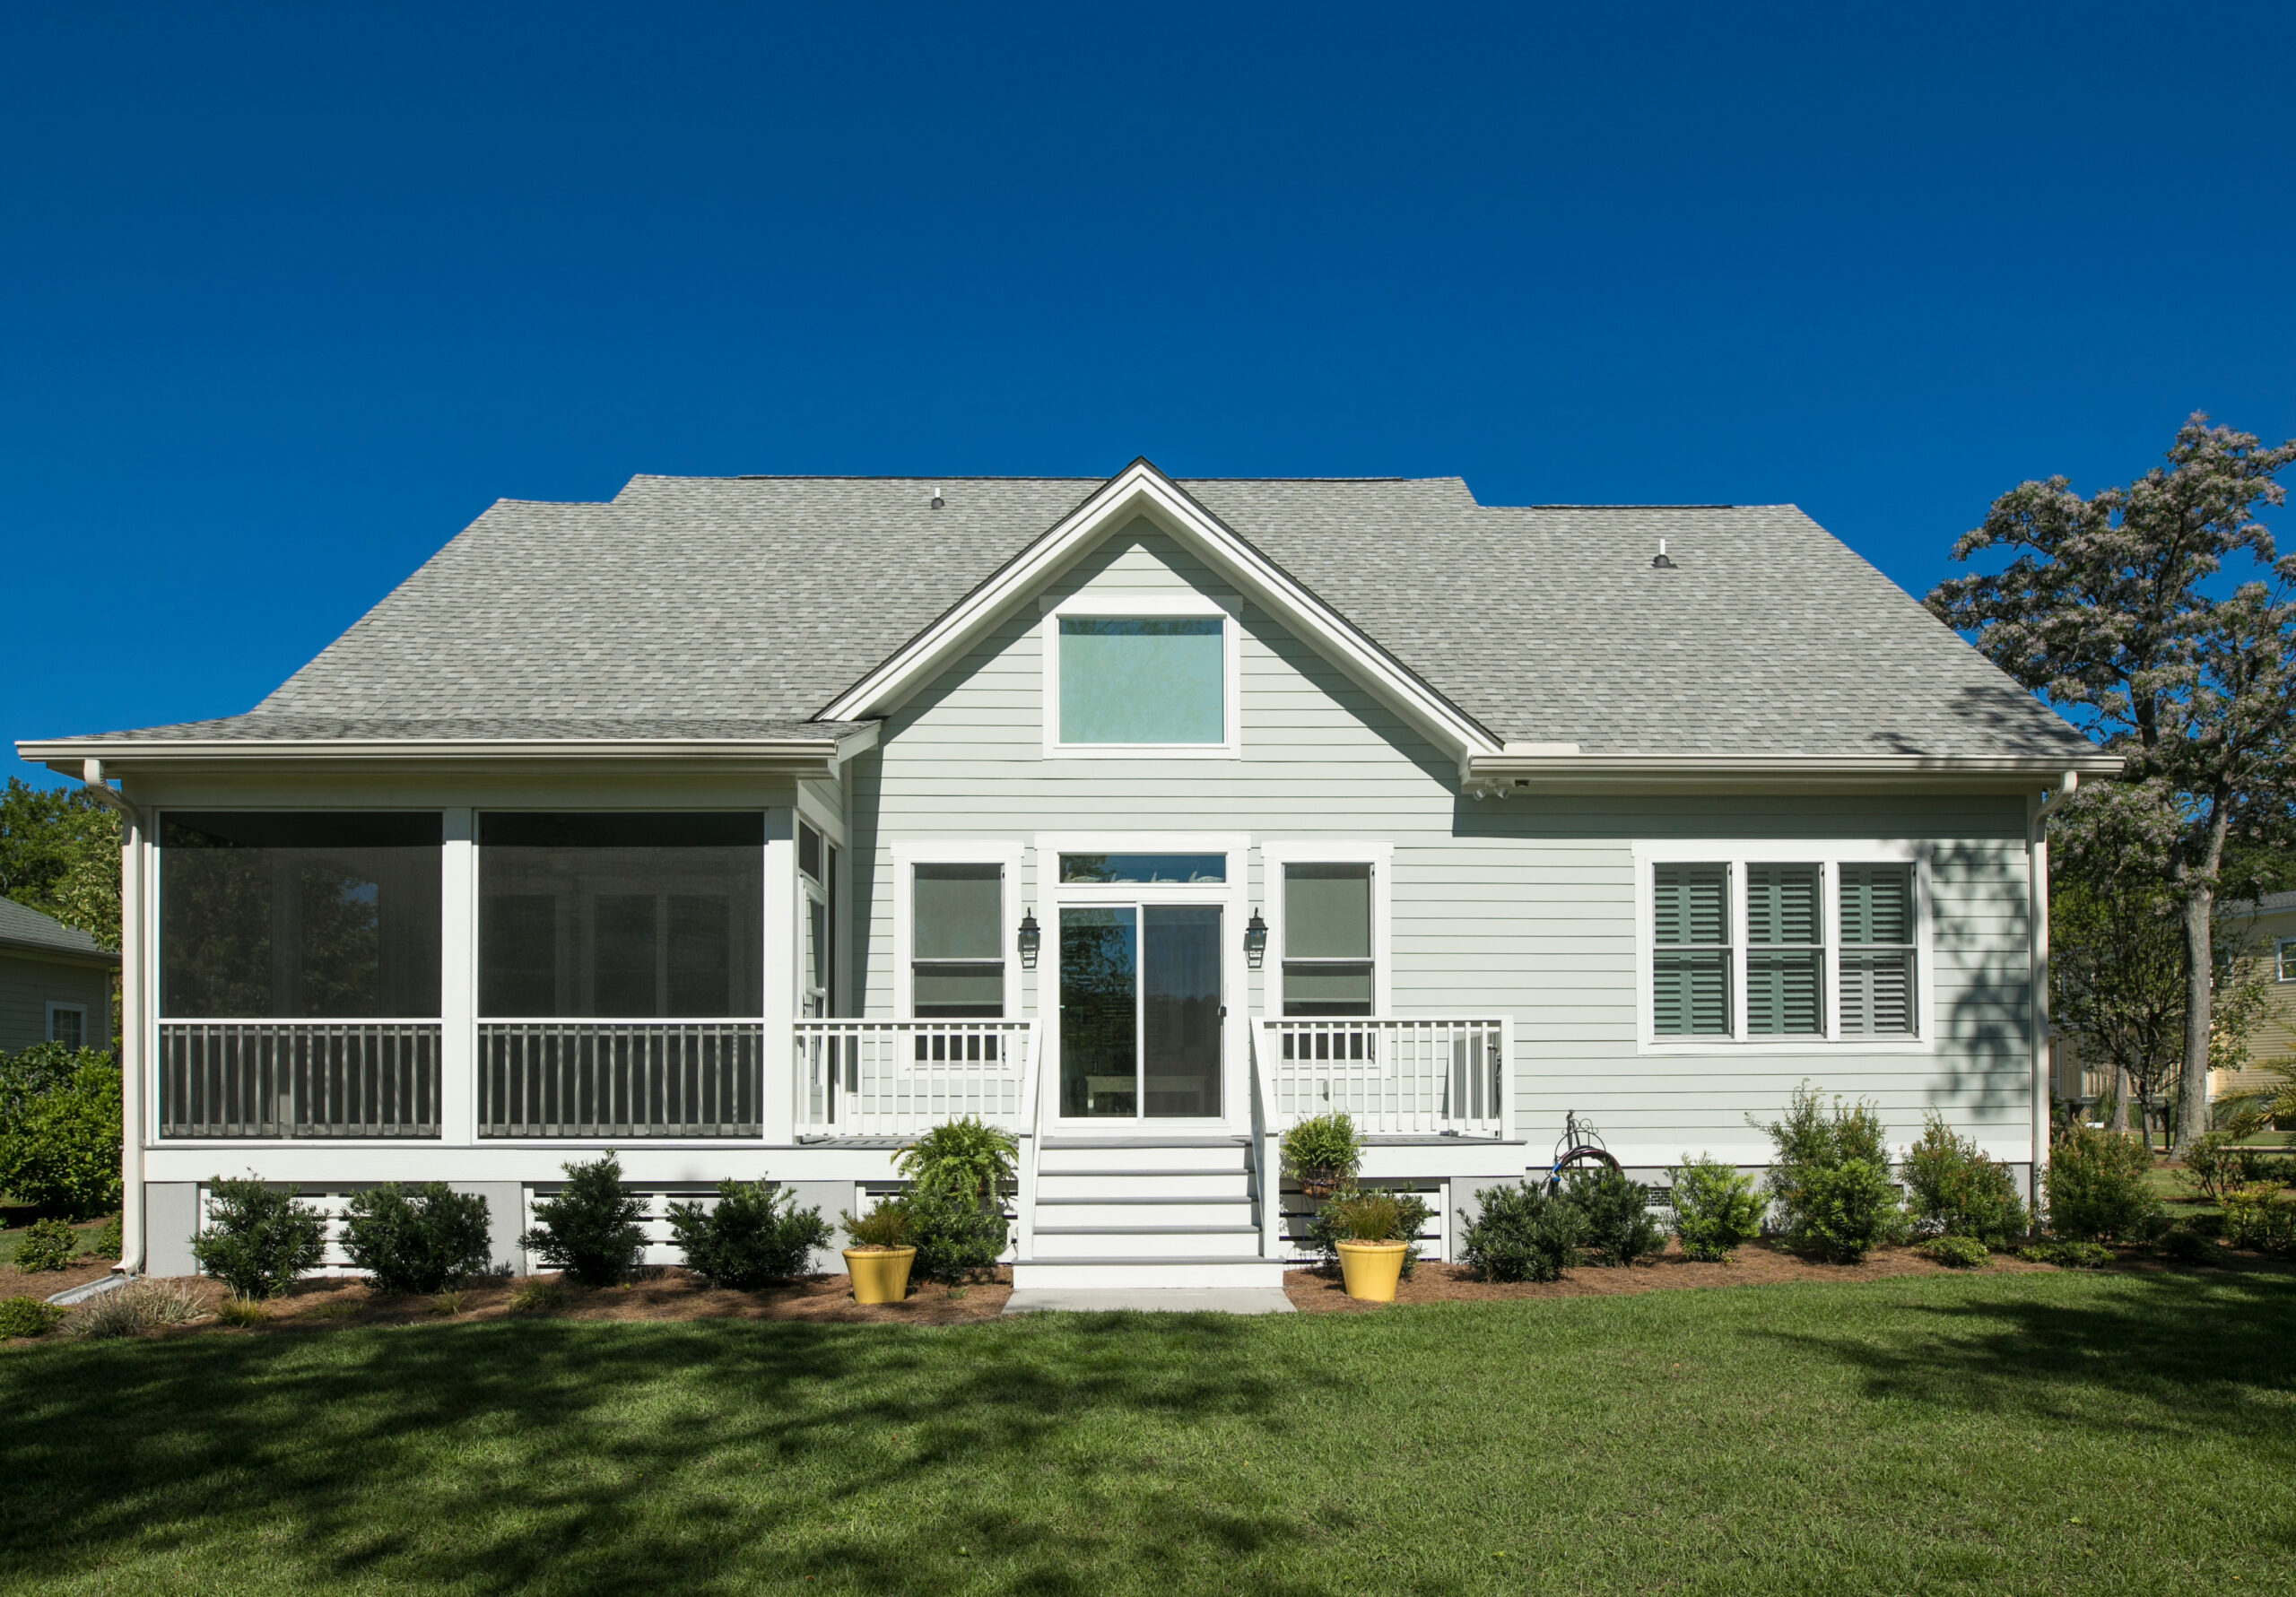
{"x": 1561, "y": 768}
{"x": 818, "y": 756}
{"x": 132, "y": 1073}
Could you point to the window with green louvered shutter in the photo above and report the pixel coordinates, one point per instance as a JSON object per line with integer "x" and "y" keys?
{"x": 1785, "y": 951}
{"x": 1690, "y": 959}
{"x": 1877, "y": 974}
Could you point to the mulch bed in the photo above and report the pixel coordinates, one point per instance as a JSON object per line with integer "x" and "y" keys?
{"x": 46, "y": 1283}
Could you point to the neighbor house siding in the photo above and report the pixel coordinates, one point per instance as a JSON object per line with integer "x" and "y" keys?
{"x": 1524, "y": 905}
{"x": 29, "y": 984}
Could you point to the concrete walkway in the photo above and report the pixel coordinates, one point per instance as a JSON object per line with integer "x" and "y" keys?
{"x": 1185, "y": 1300}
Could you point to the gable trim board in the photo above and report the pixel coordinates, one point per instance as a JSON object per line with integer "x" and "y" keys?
{"x": 805, "y": 757}
{"x": 1140, "y": 490}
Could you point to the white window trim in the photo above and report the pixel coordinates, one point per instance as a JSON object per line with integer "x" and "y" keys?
{"x": 907, "y": 857}
{"x": 1380, "y": 857}
{"x": 1105, "y": 603}
{"x": 2281, "y": 949}
{"x": 56, "y": 1009}
{"x": 1737, "y": 853}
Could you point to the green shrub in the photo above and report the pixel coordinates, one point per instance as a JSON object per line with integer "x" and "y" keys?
{"x": 27, "y": 1316}
{"x": 1323, "y": 1152}
{"x": 1368, "y": 1217}
{"x": 1830, "y": 1176}
{"x": 2183, "y": 1245}
{"x": 1959, "y": 1190}
{"x": 955, "y": 1235}
{"x": 886, "y": 1225}
{"x": 1958, "y": 1253}
{"x": 2214, "y": 1164}
{"x": 591, "y": 1229}
{"x": 2069, "y": 1255}
{"x": 59, "y": 1132}
{"x": 1342, "y": 1209}
{"x": 109, "y": 1243}
{"x": 258, "y": 1239}
{"x": 2096, "y": 1186}
{"x": 417, "y": 1238}
{"x": 753, "y": 1237}
{"x": 2263, "y": 1218}
{"x": 1522, "y": 1234}
{"x": 1716, "y": 1210}
{"x": 536, "y": 1298}
{"x": 140, "y": 1305}
{"x": 1620, "y": 1227}
{"x": 48, "y": 1245}
{"x": 962, "y": 1156}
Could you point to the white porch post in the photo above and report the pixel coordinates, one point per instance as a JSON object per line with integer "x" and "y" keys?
{"x": 134, "y": 1057}
{"x": 783, "y": 906}
{"x": 458, "y": 981}
{"x": 2036, "y": 898}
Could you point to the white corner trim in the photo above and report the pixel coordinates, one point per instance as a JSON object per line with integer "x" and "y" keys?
{"x": 1831, "y": 853}
{"x": 1107, "y": 603}
{"x": 1140, "y": 490}
{"x": 959, "y": 851}
{"x": 1380, "y": 857}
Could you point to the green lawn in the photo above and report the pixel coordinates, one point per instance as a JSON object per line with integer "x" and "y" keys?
{"x": 2037, "y": 1432}
{"x": 13, "y": 1238}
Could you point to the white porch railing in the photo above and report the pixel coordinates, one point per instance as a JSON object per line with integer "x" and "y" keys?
{"x": 299, "y": 1079}
{"x": 1394, "y": 1077}
{"x": 898, "y": 1078}
{"x": 621, "y": 1078}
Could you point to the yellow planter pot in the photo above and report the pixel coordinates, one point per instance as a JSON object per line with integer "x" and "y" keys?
{"x": 1372, "y": 1269}
{"x": 879, "y": 1274}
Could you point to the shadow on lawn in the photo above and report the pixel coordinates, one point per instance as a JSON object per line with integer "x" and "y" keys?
{"x": 495, "y": 1458}
{"x": 2173, "y": 1354}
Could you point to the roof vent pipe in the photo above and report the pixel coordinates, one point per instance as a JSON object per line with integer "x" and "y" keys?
{"x": 937, "y": 501}
{"x": 1661, "y": 562}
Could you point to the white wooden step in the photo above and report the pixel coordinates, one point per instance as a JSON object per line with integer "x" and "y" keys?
{"x": 1205, "y": 1184}
{"x": 1144, "y": 1242}
{"x": 1143, "y": 1210}
{"x": 1079, "y": 1158}
{"x": 1198, "y": 1270}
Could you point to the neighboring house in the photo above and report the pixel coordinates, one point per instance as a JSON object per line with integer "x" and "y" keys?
{"x": 748, "y": 826}
{"x": 54, "y": 982}
{"x": 2269, "y": 925}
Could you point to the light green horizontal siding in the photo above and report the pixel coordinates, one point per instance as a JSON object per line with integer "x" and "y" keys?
{"x": 1523, "y": 906}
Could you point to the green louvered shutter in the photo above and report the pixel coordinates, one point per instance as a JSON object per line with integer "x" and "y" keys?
{"x": 1784, "y": 958}
{"x": 1877, "y": 996}
{"x": 1691, "y": 971}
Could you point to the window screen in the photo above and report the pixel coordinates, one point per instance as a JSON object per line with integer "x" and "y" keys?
{"x": 957, "y": 942}
{"x": 1327, "y": 963}
{"x": 1877, "y": 974}
{"x": 1785, "y": 957}
{"x": 1690, "y": 966}
{"x": 627, "y": 916}
{"x": 1149, "y": 680}
{"x": 308, "y": 914}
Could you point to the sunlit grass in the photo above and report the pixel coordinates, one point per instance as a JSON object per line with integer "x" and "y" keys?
{"x": 2049, "y": 1432}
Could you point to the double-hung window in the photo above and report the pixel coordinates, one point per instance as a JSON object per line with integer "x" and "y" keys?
{"x": 957, "y": 941}
{"x": 1743, "y": 948}
{"x": 67, "y": 1023}
{"x": 1328, "y": 962}
{"x": 2284, "y": 960}
{"x": 817, "y": 882}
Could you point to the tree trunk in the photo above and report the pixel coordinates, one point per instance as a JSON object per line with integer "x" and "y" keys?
{"x": 2121, "y": 1088}
{"x": 2200, "y": 997}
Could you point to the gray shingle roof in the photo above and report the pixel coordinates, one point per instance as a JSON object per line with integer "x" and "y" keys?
{"x": 23, "y": 927}
{"x": 688, "y": 602}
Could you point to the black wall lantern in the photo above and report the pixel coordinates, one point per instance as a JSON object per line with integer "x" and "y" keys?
{"x": 1031, "y": 938}
{"x": 1255, "y": 941}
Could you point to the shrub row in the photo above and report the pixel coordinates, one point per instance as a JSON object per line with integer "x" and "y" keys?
{"x": 59, "y": 1129}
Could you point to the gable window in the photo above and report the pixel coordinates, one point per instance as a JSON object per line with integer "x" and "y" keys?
{"x": 1328, "y": 967}
{"x": 1691, "y": 968}
{"x": 1142, "y": 679}
{"x": 1815, "y": 951}
{"x": 957, "y": 942}
{"x": 1877, "y": 951}
{"x": 67, "y": 1023}
{"x": 2284, "y": 960}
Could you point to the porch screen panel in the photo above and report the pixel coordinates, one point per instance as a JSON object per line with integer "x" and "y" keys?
{"x": 1327, "y": 967}
{"x": 585, "y": 915}
{"x": 1691, "y": 963}
{"x": 299, "y": 915}
{"x": 957, "y": 942}
{"x": 1878, "y": 951}
{"x": 1785, "y": 961}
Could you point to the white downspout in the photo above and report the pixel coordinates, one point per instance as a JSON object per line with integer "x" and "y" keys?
{"x": 2038, "y": 811}
{"x": 131, "y": 1015}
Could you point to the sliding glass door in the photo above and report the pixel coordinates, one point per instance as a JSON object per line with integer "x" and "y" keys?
{"x": 1139, "y": 1012}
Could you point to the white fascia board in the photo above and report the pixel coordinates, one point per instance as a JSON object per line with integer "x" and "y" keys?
{"x": 1142, "y": 487}
{"x": 1491, "y": 776}
{"x": 802, "y": 756}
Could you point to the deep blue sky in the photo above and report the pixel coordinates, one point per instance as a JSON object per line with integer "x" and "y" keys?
{"x": 287, "y": 295}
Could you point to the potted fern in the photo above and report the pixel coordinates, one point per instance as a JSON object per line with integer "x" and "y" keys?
{"x": 1373, "y": 1235}
{"x": 879, "y": 1255}
{"x": 1321, "y": 1154}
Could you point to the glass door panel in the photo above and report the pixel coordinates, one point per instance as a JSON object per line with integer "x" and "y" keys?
{"x": 1179, "y": 1017}
{"x": 1100, "y": 1049}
